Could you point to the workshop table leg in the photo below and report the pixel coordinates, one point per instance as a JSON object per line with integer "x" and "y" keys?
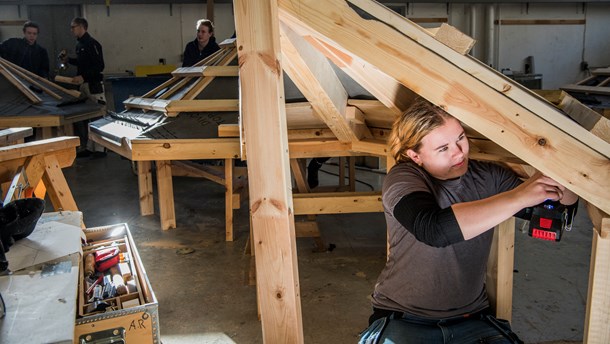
{"x": 145, "y": 188}
{"x": 500, "y": 269}
{"x": 597, "y": 316}
{"x": 57, "y": 187}
{"x": 229, "y": 199}
{"x": 167, "y": 212}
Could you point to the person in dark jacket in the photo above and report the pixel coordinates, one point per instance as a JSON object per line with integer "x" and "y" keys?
{"x": 25, "y": 52}
{"x": 89, "y": 62}
{"x": 203, "y": 46}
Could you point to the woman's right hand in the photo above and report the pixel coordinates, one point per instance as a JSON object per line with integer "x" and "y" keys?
{"x": 537, "y": 189}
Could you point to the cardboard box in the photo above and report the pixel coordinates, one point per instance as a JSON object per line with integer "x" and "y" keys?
{"x": 133, "y": 317}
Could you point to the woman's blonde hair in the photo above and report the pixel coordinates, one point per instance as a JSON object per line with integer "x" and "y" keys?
{"x": 410, "y": 128}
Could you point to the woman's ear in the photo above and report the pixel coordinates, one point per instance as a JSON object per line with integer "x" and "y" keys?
{"x": 414, "y": 156}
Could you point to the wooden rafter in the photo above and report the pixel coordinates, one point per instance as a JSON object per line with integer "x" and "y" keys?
{"x": 538, "y": 140}
{"x": 315, "y": 78}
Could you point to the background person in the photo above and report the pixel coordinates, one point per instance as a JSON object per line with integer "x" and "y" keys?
{"x": 203, "y": 46}
{"x": 439, "y": 208}
{"x": 89, "y": 62}
{"x": 25, "y": 52}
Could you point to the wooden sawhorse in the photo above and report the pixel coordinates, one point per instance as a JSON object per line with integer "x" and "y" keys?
{"x": 34, "y": 169}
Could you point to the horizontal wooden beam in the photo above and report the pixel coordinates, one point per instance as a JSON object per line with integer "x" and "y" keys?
{"x": 38, "y": 147}
{"x": 185, "y": 149}
{"x": 203, "y": 105}
{"x": 206, "y": 71}
{"x": 337, "y": 203}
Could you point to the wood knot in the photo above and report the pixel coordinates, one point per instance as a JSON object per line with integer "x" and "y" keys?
{"x": 506, "y": 87}
{"x": 542, "y": 141}
{"x": 166, "y": 145}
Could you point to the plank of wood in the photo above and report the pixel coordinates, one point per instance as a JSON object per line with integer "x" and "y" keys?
{"x": 146, "y": 103}
{"x": 302, "y": 115}
{"x": 319, "y": 148}
{"x": 500, "y": 269}
{"x": 145, "y": 188}
{"x": 587, "y": 89}
{"x": 264, "y": 123}
{"x": 313, "y": 75}
{"x": 25, "y": 77}
{"x": 229, "y": 236}
{"x": 30, "y": 121}
{"x": 57, "y": 187}
{"x": 298, "y": 172}
{"x": 371, "y": 147}
{"x": 206, "y": 71}
{"x": 185, "y": 149}
{"x": 206, "y": 80}
{"x": 392, "y": 94}
{"x": 203, "y": 105}
{"x": 165, "y": 189}
{"x": 337, "y": 203}
{"x": 73, "y": 93}
{"x": 12, "y": 135}
{"x": 454, "y": 38}
{"x": 37, "y": 147}
{"x": 597, "y": 315}
{"x": 66, "y": 80}
{"x": 17, "y": 83}
{"x": 528, "y": 135}
{"x": 190, "y": 169}
{"x": 477, "y": 70}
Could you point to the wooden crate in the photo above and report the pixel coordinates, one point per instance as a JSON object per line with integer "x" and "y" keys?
{"x": 136, "y": 324}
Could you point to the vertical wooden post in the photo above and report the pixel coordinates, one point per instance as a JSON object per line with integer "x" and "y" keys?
{"x": 229, "y": 199}
{"x": 145, "y": 188}
{"x": 264, "y": 119}
{"x": 500, "y": 269}
{"x": 210, "y": 10}
{"x": 167, "y": 213}
{"x": 598, "y": 314}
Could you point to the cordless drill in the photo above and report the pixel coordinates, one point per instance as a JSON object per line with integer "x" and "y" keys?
{"x": 550, "y": 219}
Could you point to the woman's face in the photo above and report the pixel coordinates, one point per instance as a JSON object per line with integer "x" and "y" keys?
{"x": 444, "y": 151}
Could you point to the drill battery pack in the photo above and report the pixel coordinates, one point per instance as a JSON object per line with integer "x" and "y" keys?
{"x": 549, "y": 220}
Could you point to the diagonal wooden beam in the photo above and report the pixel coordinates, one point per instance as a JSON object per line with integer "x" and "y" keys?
{"x": 264, "y": 122}
{"x": 532, "y": 137}
{"x": 17, "y": 83}
{"x": 479, "y": 71}
{"x": 313, "y": 75}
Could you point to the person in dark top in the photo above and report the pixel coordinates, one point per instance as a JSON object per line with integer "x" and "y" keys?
{"x": 89, "y": 62}
{"x": 203, "y": 46}
{"x": 25, "y": 52}
{"x": 439, "y": 208}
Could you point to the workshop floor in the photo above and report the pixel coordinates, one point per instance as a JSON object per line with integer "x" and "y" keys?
{"x": 204, "y": 296}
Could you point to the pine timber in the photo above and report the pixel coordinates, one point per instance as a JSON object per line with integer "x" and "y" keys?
{"x": 534, "y": 139}
{"x": 17, "y": 83}
{"x": 264, "y": 121}
{"x": 337, "y": 203}
{"x": 314, "y": 76}
{"x": 57, "y": 186}
{"x": 598, "y": 314}
{"x": 165, "y": 189}
{"x": 454, "y": 39}
{"x": 185, "y": 149}
{"x": 391, "y": 93}
{"x": 145, "y": 188}
{"x": 14, "y": 135}
{"x": 500, "y": 264}
{"x": 206, "y": 71}
{"x": 475, "y": 68}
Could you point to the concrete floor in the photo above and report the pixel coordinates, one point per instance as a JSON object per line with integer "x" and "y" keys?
{"x": 204, "y": 296}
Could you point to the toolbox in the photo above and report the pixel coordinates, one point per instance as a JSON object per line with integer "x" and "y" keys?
{"x": 116, "y": 303}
